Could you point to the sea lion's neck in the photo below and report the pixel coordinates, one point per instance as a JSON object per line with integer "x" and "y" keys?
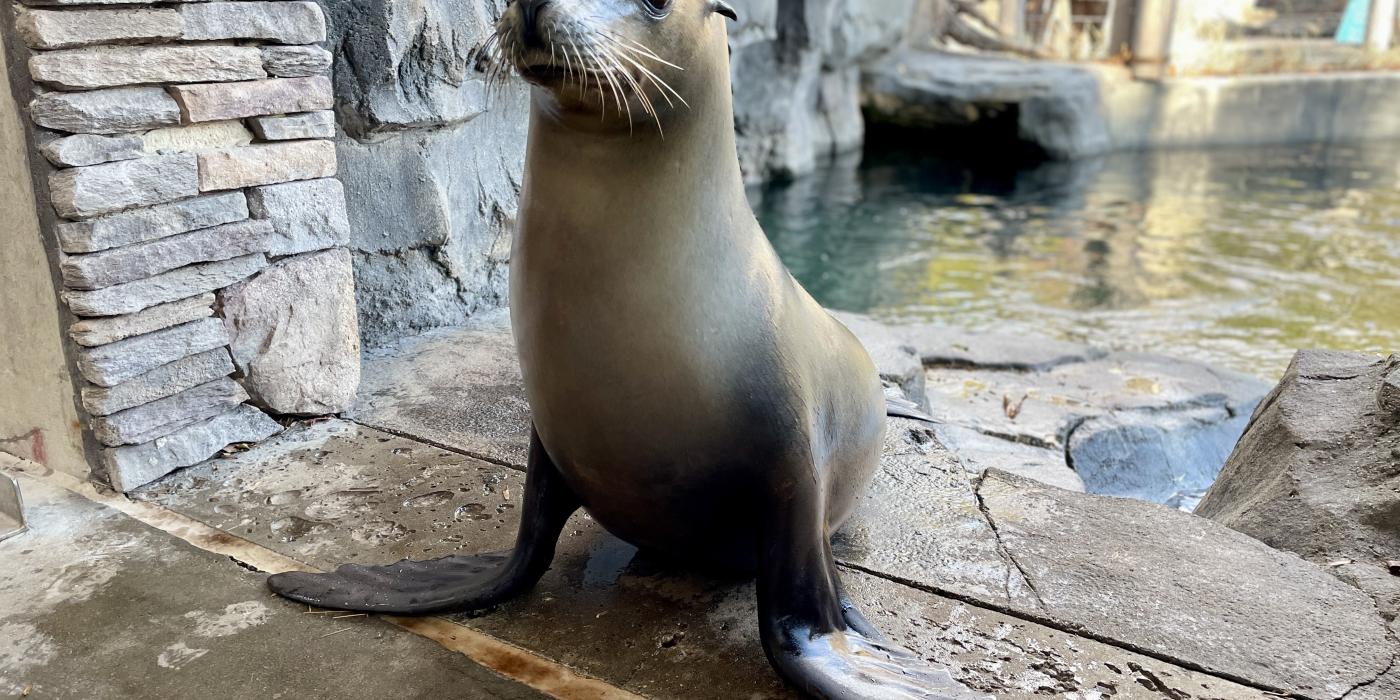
{"x": 584, "y": 182}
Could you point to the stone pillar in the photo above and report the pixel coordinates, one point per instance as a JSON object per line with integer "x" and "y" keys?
{"x": 1013, "y": 19}
{"x": 1380, "y": 24}
{"x": 1152, "y": 38}
{"x": 188, "y": 152}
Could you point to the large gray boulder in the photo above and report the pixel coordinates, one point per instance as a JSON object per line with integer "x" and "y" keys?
{"x": 1318, "y": 470}
{"x": 293, "y": 334}
{"x": 1055, "y": 107}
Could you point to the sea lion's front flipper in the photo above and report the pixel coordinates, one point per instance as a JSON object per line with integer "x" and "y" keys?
{"x": 455, "y": 583}
{"x": 813, "y": 634}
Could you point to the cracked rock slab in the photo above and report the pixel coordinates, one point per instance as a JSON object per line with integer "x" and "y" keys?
{"x": 1184, "y": 588}
{"x": 979, "y": 452}
{"x": 920, "y": 523}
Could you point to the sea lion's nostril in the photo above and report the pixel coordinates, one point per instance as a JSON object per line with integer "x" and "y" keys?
{"x": 530, "y": 15}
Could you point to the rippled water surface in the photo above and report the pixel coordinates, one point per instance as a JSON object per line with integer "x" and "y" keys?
{"x": 1234, "y": 257}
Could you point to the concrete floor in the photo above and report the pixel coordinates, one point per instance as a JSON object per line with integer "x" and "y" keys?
{"x": 95, "y": 604}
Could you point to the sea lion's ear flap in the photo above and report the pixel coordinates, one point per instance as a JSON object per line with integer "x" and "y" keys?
{"x": 724, "y": 8}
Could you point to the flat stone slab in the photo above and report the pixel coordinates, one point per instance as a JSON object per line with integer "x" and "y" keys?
{"x": 308, "y": 125}
{"x": 473, "y": 402}
{"x": 82, "y": 193}
{"x": 94, "y": 604}
{"x": 162, "y": 417}
{"x": 296, "y": 61}
{"x": 105, "y": 111}
{"x": 979, "y": 452}
{"x": 109, "y": 365}
{"x": 332, "y": 491}
{"x": 1187, "y": 588}
{"x": 941, "y": 346}
{"x": 151, "y": 223}
{"x": 171, "y": 286}
{"x": 91, "y": 332}
{"x": 111, "y": 66}
{"x": 165, "y": 380}
{"x": 91, "y": 149}
{"x": 215, "y": 101}
{"x": 143, "y": 260}
{"x": 131, "y": 467}
{"x": 266, "y": 164}
{"x": 48, "y": 29}
{"x": 279, "y": 22}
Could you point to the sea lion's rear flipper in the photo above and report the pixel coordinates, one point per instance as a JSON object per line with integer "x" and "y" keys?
{"x": 455, "y": 583}
{"x": 900, "y": 407}
{"x": 814, "y": 635}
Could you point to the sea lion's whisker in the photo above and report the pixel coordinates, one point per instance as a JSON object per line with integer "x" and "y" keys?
{"x": 643, "y": 50}
{"x": 665, "y": 86}
{"x": 652, "y": 77}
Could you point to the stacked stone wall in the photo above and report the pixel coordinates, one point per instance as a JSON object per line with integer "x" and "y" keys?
{"x": 186, "y": 150}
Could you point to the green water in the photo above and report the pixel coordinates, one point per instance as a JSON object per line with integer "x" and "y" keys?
{"x": 1235, "y": 257}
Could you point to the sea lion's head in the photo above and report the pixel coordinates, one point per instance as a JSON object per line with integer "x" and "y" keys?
{"x": 619, "y": 64}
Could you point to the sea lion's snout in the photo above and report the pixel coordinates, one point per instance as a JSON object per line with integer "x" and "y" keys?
{"x": 619, "y": 58}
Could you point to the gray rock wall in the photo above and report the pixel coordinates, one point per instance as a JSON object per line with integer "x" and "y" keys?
{"x": 433, "y": 164}
{"x": 147, "y": 117}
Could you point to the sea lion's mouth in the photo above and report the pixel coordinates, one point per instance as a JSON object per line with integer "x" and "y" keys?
{"x": 544, "y": 74}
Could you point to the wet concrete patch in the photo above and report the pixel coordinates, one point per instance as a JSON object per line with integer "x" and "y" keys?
{"x": 458, "y": 387}
{"x": 94, "y": 604}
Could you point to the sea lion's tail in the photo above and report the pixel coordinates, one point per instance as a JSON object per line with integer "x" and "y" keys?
{"x": 900, "y": 407}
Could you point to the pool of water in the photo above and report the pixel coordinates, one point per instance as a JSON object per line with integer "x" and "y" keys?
{"x": 1235, "y": 257}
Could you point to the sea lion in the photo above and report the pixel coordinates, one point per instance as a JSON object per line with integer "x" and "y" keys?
{"x": 686, "y": 391}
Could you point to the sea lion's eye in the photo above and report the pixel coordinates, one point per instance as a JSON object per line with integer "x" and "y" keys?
{"x": 657, "y": 8}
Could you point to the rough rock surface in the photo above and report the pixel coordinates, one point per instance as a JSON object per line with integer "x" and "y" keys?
{"x": 296, "y": 61}
{"x": 266, "y": 164}
{"x": 197, "y": 137}
{"x": 82, "y": 193}
{"x": 1318, "y": 470}
{"x": 216, "y": 101}
{"x": 135, "y": 466}
{"x": 105, "y": 111}
{"x": 308, "y": 125}
{"x": 281, "y": 22}
{"x": 1055, "y": 107}
{"x": 91, "y": 149}
{"x": 163, "y": 381}
{"x": 49, "y": 29}
{"x": 171, "y": 286}
{"x": 1128, "y": 424}
{"x": 109, "y": 365}
{"x": 979, "y": 452}
{"x": 165, "y": 416}
{"x": 111, "y": 66}
{"x": 151, "y": 223}
{"x": 306, "y": 216}
{"x": 90, "y": 332}
{"x": 294, "y": 335}
{"x": 142, "y": 260}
